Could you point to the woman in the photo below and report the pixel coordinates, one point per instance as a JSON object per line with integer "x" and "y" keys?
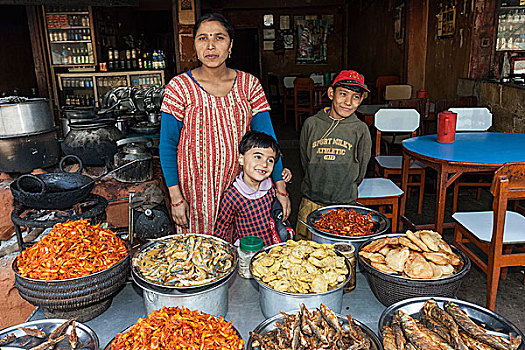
{"x": 206, "y": 111}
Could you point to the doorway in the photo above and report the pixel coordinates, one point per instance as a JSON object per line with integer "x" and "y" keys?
{"x": 246, "y": 53}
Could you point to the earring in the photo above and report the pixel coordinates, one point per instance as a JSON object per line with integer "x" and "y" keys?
{"x": 229, "y": 54}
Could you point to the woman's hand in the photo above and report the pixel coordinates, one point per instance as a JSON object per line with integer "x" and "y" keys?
{"x": 180, "y": 210}
{"x": 287, "y": 175}
{"x": 284, "y": 198}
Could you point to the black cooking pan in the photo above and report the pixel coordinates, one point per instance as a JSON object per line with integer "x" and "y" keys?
{"x": 53, "y": 190}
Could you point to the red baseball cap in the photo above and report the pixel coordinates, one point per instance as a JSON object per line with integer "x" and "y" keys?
{"x": 350, "y": 78}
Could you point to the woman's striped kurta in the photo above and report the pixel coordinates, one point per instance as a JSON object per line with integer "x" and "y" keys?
{"x": 208, "y": 147}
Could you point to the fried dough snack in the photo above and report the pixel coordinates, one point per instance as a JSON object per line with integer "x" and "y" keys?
{"x": 346, "y": 223}
{"x": 179, "y": 328}
{"x": 71, "y": 249}
{"x": 419, "y": 255}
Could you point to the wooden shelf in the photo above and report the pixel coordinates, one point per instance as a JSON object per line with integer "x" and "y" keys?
{"x": 68, "y": 13}
{"x": 70, "y": 41}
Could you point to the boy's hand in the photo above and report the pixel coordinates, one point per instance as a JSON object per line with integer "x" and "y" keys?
{"x": 284, "y": 200}
{"x": 287, "y": 175}
{"x": 180, "y": 214}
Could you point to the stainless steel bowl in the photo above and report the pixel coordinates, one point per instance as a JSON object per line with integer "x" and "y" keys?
{"x": 87, "y": 338}
{"x": 162, "y": 288}
{"x": 272, "y": 301}
{"x": 269, "y": 325}
{"x": 480, "y": 315}
{"x": 382, "y": 225}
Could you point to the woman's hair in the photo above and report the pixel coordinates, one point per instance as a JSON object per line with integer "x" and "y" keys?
{"x": 214, "y": 17}
{"x": 258, "y": 139}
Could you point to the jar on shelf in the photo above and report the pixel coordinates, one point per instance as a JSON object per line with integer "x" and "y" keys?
{"x": 249, "y": 246}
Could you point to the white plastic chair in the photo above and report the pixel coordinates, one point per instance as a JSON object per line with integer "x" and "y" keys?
{"x": 406, "y": 121}
{"x": 398, "y": 92}
{"x": 382, "y": 192}
{"x": 471, "y": 119}
{"x": 288, "y": 82}
{"x": 317, "y": 78}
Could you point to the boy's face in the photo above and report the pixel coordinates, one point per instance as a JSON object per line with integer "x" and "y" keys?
{"x": 344, "y": 101}
{"x": 257, "y": 165}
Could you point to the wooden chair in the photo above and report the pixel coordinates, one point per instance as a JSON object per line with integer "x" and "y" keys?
{"x": 496, "y": 232}
{"x": 421, "y": 105}
{"x": 274, "y": 95}
{"x": 398, "y": 92}
{"x": 396, "y": 121}
{"x": 381, "y": 82}
{"x": 288, "y": 102}
{"x": 381, "y": 192}
{"x": 471, "y": 119}
{"x": 303, "y": 97}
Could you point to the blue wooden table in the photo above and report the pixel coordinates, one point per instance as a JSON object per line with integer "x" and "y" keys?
{"x": 471, "y": 152}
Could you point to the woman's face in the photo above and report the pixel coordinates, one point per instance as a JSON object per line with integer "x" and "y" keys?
{"x": 212, "y": 43}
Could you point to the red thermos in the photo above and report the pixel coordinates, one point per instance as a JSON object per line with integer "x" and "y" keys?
{"x": 422, "y": 93}
{"x": 447, "y": 127}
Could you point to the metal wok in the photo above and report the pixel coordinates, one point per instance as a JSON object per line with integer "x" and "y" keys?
{"x": 53, "y": 190}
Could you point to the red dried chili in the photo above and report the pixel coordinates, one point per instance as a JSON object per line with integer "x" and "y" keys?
{"x": 71, "y": 249}
{"x": 346, "y": 223}
{"x": 180, "y": 329}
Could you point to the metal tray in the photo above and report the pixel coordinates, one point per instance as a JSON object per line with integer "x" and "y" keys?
{"x": 87, "y": 339}
{"x": 108, "y": 347}
{"x": 166, "y": 288}
{"x": 382, "y": 223}
{"x": 480, "y": 315}
{"x": 269, "y": 325}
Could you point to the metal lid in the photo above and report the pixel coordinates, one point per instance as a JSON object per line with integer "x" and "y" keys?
{"x": 251, "y": 243}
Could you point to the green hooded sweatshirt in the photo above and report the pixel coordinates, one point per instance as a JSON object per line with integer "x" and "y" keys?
{"x": 334, "y": 155}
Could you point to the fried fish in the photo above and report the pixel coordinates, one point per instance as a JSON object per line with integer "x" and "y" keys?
{"x": 432, "y": 310}
{"x": 389, "y": 340}
{"x": 413, "y": 334}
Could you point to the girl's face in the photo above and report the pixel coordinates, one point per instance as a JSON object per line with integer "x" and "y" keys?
{"x": 213, "y": 44}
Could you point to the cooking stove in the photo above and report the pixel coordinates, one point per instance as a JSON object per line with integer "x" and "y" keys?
{"x": 92, "y": 208}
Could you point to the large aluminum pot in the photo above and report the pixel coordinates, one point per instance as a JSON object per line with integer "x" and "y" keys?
{"x": 32, "y": 116}
{"x": 273, "y": 302}
{"x": 23, "y": 154}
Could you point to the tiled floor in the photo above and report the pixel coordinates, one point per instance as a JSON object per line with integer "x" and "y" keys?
{"x": 511, "y": 293}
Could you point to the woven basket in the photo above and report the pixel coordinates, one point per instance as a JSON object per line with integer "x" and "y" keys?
{"x": 390, "y": 289}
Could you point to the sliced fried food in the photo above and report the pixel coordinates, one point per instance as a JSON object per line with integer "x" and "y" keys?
{"x": 418, "y": 267}
{"x": 375, "y": 246}
{"x": 472, "y": 329}
{"x": 383, "y": 268}
{"x": 438, "y": 273}
{"x": 389, "y": 340}
{"x": 454, "y": 259}
{"x": 437, "y": 258}
{"x": 373, "y": 257}
{"x": 444, "y": 247}
{"x": 384, "y": 251}
{"x": 396, "y": 258}
{"x": 408, "y": 243}
{"x": 431, "y": 239}
{"x": 417, "y": 241}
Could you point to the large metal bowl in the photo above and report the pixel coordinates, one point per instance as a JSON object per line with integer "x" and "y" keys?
{"x": 273, "y": 302}
{"x": 87, "y": 338}
{"x": 480, "y": 315}
{"x": 269, "y": 325}
{"x": 381, "y": 226}
{"x": 390, "y": 289}
{"x": 162, "y": 288}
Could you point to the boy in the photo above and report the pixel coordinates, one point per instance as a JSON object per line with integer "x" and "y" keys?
{"x": 335, "y": 149}
{"x": 246, "y": 206}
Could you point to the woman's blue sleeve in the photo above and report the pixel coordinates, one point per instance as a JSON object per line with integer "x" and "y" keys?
{"x": 262, "y": 122}
{"x": 170, "y": 128}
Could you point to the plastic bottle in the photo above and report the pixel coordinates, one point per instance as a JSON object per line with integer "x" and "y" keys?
{"x": 247, "y": 249}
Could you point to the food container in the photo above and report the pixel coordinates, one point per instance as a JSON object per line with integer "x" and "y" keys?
{"x": 212, "y": 300}
{"x": 273, "y": 302}
{"x": 211, "y": 297}
{"x": 320, "y": 236}
{"x": 87, "y": 338}
{"x": 269, "y": 325}
{"x": 390, "y": 289}
{"x": 348, "y": 250}
{"x": 480, "y": 315}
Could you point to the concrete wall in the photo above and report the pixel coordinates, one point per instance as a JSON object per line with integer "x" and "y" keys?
{"x": 507, "y": 104}
{"x": 17, "y": 69}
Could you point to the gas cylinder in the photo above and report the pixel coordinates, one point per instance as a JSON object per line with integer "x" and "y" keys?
{"x": 447, "y": 127}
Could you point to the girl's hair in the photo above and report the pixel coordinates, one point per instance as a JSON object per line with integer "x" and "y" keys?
{"x": 214, "y": 17}
{"x": 258, "y": 139}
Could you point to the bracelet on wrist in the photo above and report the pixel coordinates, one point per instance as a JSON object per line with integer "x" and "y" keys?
{"x": 177, "y": 204}
{"x": 285, "y": 194}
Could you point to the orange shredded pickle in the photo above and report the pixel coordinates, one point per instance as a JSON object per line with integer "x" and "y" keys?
{"x": 71, "y": 249}
{"x": 179, "y": 329}
{"x": 346, "y": 223}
